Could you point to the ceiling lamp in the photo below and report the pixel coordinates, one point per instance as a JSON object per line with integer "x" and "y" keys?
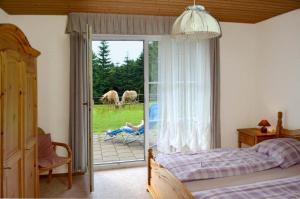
{"x": 195, "y": 22}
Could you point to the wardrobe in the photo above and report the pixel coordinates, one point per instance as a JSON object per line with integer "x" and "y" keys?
{"x": 18, "y": 114}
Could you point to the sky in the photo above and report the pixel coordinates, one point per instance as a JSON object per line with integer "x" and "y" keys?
{"x": 120, "y": 49}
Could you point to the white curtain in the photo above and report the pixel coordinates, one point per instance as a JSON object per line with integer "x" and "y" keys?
{"x": 184, "y": 94}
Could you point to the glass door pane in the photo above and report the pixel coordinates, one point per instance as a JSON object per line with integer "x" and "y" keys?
{"x": 153, "y": 83}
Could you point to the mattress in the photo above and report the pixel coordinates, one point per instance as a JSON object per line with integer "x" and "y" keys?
{"x": 270, "y": 174}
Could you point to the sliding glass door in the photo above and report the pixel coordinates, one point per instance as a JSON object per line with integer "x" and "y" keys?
{"x": 152, "y": 92}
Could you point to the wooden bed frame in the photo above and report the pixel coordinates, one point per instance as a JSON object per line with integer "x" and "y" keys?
{"x": 162, "y": 184}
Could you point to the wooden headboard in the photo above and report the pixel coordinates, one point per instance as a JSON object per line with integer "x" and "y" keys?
{"x": 282, "y": 132}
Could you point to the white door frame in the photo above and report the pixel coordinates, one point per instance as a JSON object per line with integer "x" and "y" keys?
{"x": 146, "y": 39}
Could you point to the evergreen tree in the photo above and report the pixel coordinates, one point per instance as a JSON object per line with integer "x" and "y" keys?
{"x": 101, "y": 71}
{"x": 139, "y": 75}
{"x": 103, "y": 55}
{"x": 96, "y": 77}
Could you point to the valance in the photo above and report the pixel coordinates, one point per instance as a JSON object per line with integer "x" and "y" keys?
{"x": 120, "y": 24}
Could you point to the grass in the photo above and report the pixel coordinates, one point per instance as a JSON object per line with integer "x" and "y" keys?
{"x": 107, "y": 117}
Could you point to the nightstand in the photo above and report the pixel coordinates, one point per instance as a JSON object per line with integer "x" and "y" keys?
{"x": 252, "y": 136}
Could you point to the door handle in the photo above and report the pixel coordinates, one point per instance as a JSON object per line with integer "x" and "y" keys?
{"x": 7, "y": 168}
{"x": 85, "y": 103}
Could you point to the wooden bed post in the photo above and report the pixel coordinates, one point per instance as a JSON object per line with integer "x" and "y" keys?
{"x": 150, "y": 156}
{"x": 279, "y": 126}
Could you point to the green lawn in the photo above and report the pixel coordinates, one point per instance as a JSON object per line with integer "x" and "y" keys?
{"x": 107, "y": 117}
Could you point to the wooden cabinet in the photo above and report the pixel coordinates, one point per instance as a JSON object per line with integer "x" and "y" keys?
{"x": 18, "y": 113}
{"x": 252, "y": 136}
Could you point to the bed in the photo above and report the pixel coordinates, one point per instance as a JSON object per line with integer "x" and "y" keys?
{"x": 163, "y": 184}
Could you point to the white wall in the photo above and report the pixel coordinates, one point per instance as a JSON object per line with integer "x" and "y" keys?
{"x": 47, "y": 34}
{"x": 3, "y": 16}
{"x": 260, "y": 70}
{"x": 238, "y": 66}
{"x": 279, "y": 68}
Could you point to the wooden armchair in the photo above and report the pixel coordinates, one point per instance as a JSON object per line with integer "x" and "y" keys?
{"x": 47, "y": 157}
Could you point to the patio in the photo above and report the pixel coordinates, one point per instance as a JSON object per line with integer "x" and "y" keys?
{"x": 115, "y": 150}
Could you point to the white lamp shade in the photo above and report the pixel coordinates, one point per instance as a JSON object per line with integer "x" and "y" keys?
{"x": 197, "y": 23}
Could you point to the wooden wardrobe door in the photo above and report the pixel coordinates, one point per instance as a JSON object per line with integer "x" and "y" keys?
{"x": 30, "y": 141}
{"x": 12, "y": 125}
{"x": 1, "y": 148}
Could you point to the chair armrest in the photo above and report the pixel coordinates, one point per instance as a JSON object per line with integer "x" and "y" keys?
{"x": 67, "y": 147}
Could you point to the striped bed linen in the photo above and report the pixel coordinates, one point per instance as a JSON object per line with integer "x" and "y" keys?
{"x": 288, "y": 188}
{"x": 215, "y": 163}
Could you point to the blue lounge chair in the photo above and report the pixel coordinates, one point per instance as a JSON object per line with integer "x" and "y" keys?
{"x": 129, "y": 132}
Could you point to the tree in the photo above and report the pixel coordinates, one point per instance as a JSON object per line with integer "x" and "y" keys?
{"x": 96, "y": 76}
{"x": 153, "y": 69}
{"x": 101, "y": 70}
{"x": 103, "y": 55}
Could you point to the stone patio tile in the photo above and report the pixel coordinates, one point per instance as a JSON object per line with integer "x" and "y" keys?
{"x": 97, "y": 153}
{"x": 106, "y": 143}
{"x": 139, "y": 156}
{"x": 137, "y": 151}
{"x": 134, "y": 144}
{"x": 121, "y": 146}
{"x": 98, "y": 159}
{"x": 124, "y": 151}
{"x": 116, "y": 150}
{"x": 107, "y": 150}
{"x": 111, "y": 158}
{"x": 125, "y": 154}
{"x": 107, "y": 146}
{"x": 127, "y": 158}
{"x": 108, "y": 154}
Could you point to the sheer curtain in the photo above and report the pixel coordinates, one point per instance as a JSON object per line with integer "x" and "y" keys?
{"x": 184, "y": 95}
